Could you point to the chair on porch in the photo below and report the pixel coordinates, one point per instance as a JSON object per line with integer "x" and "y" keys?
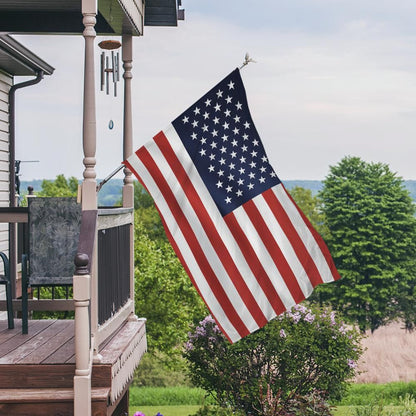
{"x": 54, "y": 226}
{"x": 5, "y": 280}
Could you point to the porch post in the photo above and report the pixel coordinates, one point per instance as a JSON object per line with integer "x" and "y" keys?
{"x": 88, "y": 190}
{"x": 82, "y": 379}
{"x": 128, "y": 188}
{"x": 89, "y": 195}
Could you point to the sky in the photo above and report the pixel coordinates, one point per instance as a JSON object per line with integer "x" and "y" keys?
{"x": 332, "y": 78}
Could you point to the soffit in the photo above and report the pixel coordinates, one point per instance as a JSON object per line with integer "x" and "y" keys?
{"x": 15, "y": 59}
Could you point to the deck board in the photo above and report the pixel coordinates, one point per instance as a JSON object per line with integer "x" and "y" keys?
{"x": 39, "y": 342}
{"x": 114, "y": 348}
{"x": 20, "y": 339}
{"x": 63, "y": 354}
{"x": 54, "y": 343}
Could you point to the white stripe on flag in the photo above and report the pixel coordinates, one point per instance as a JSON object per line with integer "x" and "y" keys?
{"x": 264, "y": 257}
{"x": 305, "y": 234}
{"x": 284, "y": 245}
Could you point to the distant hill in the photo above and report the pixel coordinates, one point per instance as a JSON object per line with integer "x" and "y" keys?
{"x": 110, "y": 193}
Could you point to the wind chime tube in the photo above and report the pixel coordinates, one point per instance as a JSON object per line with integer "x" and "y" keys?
{"x": 102, "y": 71}
{"x": 113, "y": 62}
{"x": 107, "y": 76}
{"x": 113, "y": 59}
{"x": 118, "y": 67}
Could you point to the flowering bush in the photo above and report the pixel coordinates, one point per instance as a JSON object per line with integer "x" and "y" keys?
{"x": 297, "y": 354}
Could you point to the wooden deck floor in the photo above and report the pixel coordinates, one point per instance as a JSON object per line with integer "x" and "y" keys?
{"x": 48, "y": 342}
{"x": 44, "y": 360}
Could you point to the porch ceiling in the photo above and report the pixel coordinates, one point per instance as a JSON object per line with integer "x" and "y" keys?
{"x": 64, "y": 16}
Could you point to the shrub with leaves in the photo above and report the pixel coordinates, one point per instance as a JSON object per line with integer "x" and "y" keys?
{"x": 297, "y": 354}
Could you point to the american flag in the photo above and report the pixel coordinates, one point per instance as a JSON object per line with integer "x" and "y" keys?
{"x": 248, "y": 249}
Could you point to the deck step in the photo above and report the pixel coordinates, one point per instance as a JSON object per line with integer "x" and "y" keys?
{"x": 40, "y": 402}
{"x": 48, "y": 395}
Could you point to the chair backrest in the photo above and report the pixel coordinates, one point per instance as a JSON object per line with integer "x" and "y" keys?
{"x": 54, "y": 225}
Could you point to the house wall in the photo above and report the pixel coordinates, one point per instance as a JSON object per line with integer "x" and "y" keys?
{"x": 6, "y": 81}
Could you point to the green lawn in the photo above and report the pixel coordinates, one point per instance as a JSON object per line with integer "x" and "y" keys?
{"x": 165, "y": 410}
{"x": 189, "y": 410}
{"x": 184, "y": 401}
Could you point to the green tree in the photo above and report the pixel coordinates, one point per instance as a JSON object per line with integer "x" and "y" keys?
{"x": 310, "y": 206}
{"x": 59, "y": 187}
{"x": 372, "y": 239}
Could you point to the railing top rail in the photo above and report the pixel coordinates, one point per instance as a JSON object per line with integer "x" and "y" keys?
{"x": 114, "y": 211}
{"x": 13, "y": 214}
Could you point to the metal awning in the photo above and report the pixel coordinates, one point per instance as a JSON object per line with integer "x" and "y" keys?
{"x": 114, "y": 17}
{"x": 163, "y": 13}
{"x": 15, "y": 59}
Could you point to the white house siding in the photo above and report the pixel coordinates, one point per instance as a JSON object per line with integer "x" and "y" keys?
{"x": 5, "y": 84}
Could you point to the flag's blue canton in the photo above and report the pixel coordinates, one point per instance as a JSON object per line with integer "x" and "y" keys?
{"x": 221, "y": 139}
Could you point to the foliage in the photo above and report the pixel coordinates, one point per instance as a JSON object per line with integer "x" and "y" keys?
{"x": 409, "y": 404}
{"x": 299, "y": 351}
{"x": 310, "y": 206}
{"x": 148, "y": 214}
{"x": 372, "y": 409}
{"x": 310, "y": 404}
{"x": 59, "y": 187}
{"x": 153, "y": 371}
{"x": 372, "y": 239}
{"x": 163, "y": 293}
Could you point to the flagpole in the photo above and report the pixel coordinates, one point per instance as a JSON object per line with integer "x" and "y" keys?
{"x": 104, "y": 181}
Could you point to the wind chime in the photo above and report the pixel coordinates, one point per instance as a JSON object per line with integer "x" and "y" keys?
{"x": 110, "y": 66}
{"x": 106, "y": 69}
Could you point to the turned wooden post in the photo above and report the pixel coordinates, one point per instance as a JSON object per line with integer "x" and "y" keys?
{"x": 88, "y": 190}
{"x": 89, "y": 195}
{"x": 82, "y": 378}
{"x": 128, "y": 188}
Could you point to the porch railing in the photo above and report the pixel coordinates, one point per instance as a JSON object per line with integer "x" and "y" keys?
{"x": 114, "y": 300}
{"x": 113, "y": 270}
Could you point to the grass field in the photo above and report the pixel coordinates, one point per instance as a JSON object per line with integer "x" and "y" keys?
{"x": 389, "y": 356}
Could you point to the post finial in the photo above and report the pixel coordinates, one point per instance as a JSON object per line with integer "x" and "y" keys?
{"x": 81, "y": 263}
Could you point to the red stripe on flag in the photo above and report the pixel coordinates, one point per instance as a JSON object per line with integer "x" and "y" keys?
{"x": 299, "y": 247}
{"x": 185, "y": 266}
{"x": 255, "y": 264}
{"x": 274, "y": 251}
{"x": 319, "y": 240}
{"x": 193, "y": 243}
{"x": 211, "y": 230}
